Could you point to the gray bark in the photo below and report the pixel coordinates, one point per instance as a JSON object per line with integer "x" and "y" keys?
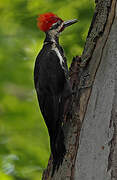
{"x": 90, "y": 126}
{"x": 97, "y": 152}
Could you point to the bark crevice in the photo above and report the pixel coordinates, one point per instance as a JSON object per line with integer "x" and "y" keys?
{"x": 82, "y": 76}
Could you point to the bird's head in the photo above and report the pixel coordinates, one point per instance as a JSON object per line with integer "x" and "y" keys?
{"x": 52, "y": 24}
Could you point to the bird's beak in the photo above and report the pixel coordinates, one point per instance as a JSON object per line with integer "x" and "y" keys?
{"x": 69, "y": 23}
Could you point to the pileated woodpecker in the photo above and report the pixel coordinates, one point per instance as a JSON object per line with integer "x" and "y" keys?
{"x": 52, "y": 82}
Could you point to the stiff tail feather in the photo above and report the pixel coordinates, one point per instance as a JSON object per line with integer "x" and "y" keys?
{"x": 59, "y": 151}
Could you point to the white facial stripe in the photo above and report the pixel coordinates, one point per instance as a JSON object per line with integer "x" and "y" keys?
{"x": 54, "y": 24}
{"x": 60, "y": 26}
{"x": 55, "y": 32}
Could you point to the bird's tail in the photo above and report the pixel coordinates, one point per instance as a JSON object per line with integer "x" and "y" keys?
{"x": 59, "y": 150}
{"x": 57, "y": 141}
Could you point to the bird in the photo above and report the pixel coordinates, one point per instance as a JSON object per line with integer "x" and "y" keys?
{"x": 51, "y": 80}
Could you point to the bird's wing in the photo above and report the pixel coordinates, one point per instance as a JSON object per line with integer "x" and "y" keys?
{"x": 49, "y": 76}
{"x": 55, "y": 73}
{"x": 49, "y": 83}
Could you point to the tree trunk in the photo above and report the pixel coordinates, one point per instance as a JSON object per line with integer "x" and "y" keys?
{"x": 91, "y": 122}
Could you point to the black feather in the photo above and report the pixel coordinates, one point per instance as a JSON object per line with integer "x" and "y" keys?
{"x": 52, "y": 87}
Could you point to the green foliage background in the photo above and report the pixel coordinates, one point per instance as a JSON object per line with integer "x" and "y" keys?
{"x": 24, "y": 141}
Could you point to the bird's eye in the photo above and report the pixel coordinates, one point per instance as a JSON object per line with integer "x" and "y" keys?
{"x": 55, "y": 25}
{"x": 58, "y": 22}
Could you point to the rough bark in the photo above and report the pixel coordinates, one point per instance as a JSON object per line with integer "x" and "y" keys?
{"x": 91, "y": 122}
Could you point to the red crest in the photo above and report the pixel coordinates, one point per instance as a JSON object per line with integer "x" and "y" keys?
{"x": 46, "y": 20}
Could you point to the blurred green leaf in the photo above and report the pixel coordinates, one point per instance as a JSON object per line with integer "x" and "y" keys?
{"x": 5, "y": 177}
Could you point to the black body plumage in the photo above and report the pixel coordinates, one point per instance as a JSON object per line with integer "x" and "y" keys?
{"x": 52, "y": 87}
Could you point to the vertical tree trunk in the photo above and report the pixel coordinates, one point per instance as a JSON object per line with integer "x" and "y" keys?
{"x": 91, "y": 122}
